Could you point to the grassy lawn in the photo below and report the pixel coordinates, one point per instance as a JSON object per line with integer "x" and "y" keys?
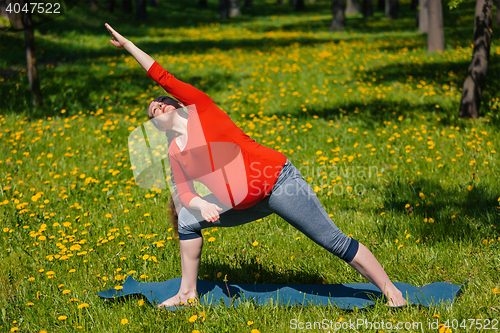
{"x": 366, "y": 114}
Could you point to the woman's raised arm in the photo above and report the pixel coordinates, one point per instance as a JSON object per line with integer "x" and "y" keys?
{"x": 121, "y": 42}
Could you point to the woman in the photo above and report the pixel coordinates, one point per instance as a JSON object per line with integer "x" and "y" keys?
{"x": 251, "y": 182}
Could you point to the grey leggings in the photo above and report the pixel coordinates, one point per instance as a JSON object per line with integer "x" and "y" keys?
{"x": 293, "y": 200}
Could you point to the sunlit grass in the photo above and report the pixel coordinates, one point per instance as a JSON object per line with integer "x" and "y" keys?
{"x": 366, "y": 115}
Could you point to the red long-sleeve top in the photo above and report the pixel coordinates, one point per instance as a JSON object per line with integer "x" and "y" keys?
{"x": 236, "y": 169}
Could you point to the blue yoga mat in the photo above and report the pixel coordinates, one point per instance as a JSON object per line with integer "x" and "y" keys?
{"x": 344, "y": 296}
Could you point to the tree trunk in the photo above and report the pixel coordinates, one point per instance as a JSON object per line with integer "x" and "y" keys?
{"x": 127, "y": 6}
{"x": 414, "y": 4}
{"x": 297, "y": 4}
{"x": 367, "y": 8}
{"x": 423, "y": 16}
{"x": 338, "y": 9}
{"x": 352, "y": 7}
{"x": 23, "y": 21}
{"x": 29, "y": 38}
{"x": 381, "y": 5}
{"x": 498, "y": 12}
{"x": 435, "y": 35}
{"x": 141, "y": 13}
{"x": 473, "y": 86}
{"x": 229, "y": 8}
{"x": 111, "y": 5}
{"x": 392, "y": 9}
{"x": 234, "y": 8}
{"x": 93, "y": 5}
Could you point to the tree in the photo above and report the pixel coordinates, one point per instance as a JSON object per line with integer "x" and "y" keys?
{"x": 476, "y": 76}
{"x": 338, "y": 9}
{"x": 423, "y": 16}
{"x": 381, "y": 5}
{"x": 352, "y": 7}
{"x": 127, "y": 6}
{"x": 23, "y": 21}
{"x": 297, "y": 4}
{"x": 111, "y": 5}
{"x": 141, "y": 13}
{"x": 498, "y": 12}
{"x": 229, "y": 8}
{"x": 392, "y": 9}
{"x": 367, "y": 8}
{"x": 435, "y": 33}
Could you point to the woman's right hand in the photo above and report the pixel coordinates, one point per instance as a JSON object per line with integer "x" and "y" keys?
{"x": 118, "y": 40}
{"x": 210, "y": 211}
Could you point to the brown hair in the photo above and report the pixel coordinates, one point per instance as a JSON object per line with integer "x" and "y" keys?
{"x": 172, "y": 213}
{"x": 174, "y": 201}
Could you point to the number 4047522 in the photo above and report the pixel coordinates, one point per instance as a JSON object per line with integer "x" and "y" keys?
{"x": 34, "y": 7}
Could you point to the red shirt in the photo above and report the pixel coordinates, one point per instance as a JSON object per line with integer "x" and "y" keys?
{"x": 237, "y": 170}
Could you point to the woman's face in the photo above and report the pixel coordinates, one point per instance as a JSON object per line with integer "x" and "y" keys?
{"x": 158, "y": 108}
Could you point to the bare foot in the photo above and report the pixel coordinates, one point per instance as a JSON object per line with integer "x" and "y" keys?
{"x": 189, "y": 298}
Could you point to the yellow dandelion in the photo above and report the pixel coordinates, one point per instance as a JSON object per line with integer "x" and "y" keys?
{"x": 140, "y": 302}
{"x": 255, "y": 331}
{"x": 83, "y": 305}
{"x": 193, "y": 318}
{"x": 66, "y": 291}
{"x": 124, "y": 321}
{"x": 14, "y": 329}
{"x": 255, "y": 243}
{"x": 108, "y": 215}
{"x": 118, "y": 287}
{"x": 495, "y": 290}
{"x": 211, "y": 239}
{"x": 195, "y": 331}
{"x": 62, "y": 317}
{"x": 249, "y": 322}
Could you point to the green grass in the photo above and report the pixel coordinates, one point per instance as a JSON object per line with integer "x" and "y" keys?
{"x": 368, "y": 105}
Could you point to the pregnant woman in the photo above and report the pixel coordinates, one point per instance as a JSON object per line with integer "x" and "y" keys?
{"x": 248, "y": 181}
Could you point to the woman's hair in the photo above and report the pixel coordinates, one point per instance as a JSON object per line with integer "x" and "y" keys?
{"x": 174, "y": 199}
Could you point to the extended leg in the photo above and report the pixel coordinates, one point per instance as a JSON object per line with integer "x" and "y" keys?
{"x": 296, "y": 202}
{"x": 190, "y": 262}
{"x": 369, "y": 267}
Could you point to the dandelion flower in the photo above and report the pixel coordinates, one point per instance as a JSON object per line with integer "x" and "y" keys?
{"x": 83, "y": 305}
{"x": 495, "y": 290}
{"x": 124, "y": 321}
{"x": 255, "y": 243}
{"x": 66, "y": 291}
{"x": 193, "y": 318}
{"x": 62, "y": 317}
{"x": 211, "y": 239}
{"x": 255, "y": 331}
{"x": 249, "y": 322}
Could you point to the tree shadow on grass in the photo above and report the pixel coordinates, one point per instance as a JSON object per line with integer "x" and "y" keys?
{"x": 457, "y": 213}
